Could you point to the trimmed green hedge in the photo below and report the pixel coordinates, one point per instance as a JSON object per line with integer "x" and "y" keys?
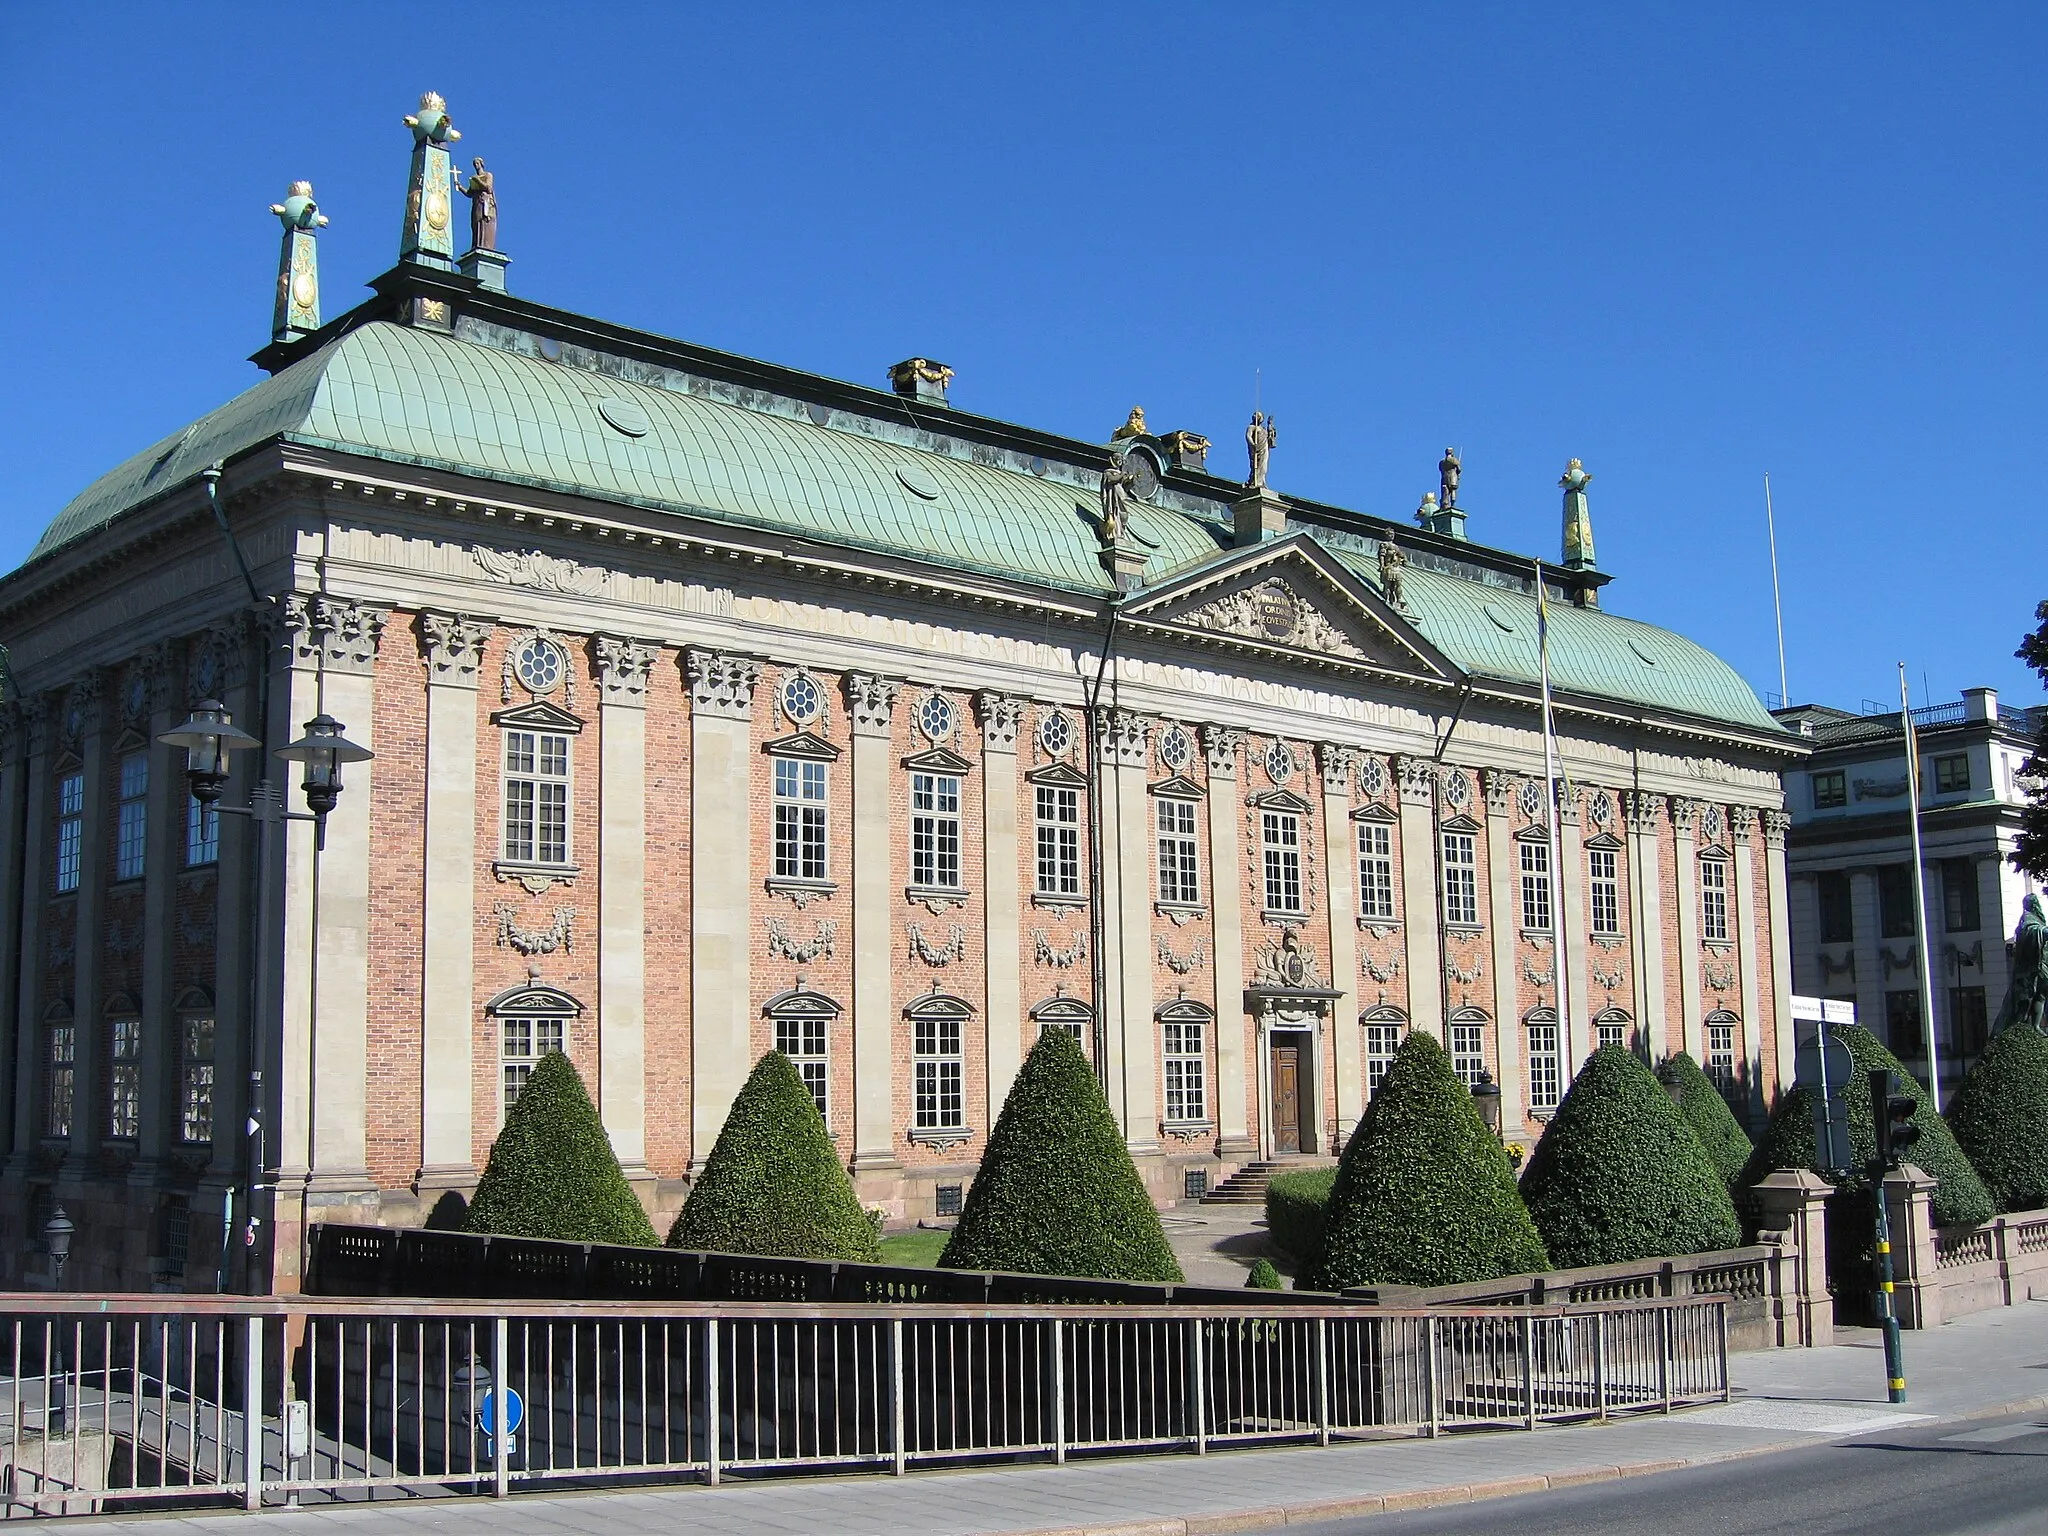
{"x": 2000, "y": 1118}
{"x": 773, "y": 1184}
{"x": 1057, "y": 1193}
{"x": 1264, "y": 1277}
{"x": 1701, "y": 1106}
{"x": 1620, "y": 1176}
{"x": 1296, "y": 1204}
{"x": 1424, "y": 1194}
{"x": 552, "y": 1172}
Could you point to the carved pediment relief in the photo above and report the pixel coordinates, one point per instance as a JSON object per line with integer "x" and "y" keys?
{"x": 538, "y": 716}
{"x": 1059, "y": 774}
{"x": 1278, "y": 612}
{"x": 806, "y": 744}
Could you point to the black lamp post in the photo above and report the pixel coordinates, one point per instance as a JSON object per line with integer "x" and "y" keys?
{"x": 207, "y": 739}
{"x": 323, "y": 750}
{"x": 1486, "y": 1094}
{"x": 57, "y": 1232}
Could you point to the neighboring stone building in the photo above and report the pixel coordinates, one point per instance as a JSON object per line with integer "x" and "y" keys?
{"x": 1854, "y": 924}
{"x": 718, "y": 706}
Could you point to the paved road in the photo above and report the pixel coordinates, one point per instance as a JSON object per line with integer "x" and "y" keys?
{"x": 1987, "y": 1478}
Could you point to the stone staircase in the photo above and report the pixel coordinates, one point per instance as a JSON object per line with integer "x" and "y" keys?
{"x": 1247, "y": 1186}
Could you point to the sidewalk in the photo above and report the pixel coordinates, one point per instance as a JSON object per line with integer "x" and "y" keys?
{"x": 1992, "y": 1362}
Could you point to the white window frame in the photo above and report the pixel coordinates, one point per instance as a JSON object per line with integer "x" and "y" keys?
{"x": 523, "y": 1039}
{"x": 1603, "y": 885}
{"x": 1612, "y": 1029}
{"x": 1714, "y": 900}
{"x": 938, "y": 1073}
{"x": 1057, "y": 809}
{"x": 1459, "y": 852}
{"x": 1534, "y": 862}
{"x": 198, "y": 1042}
{"x": 1722, "y": 1038}
{"x": 1546, "y": 1063}
{"x": 70, "y": 864}
{"x": 60, "y": 1080}
{"x": 1280, "y": 858}
{"x": 532, "y": 784}
{"x": 1382, "y": 1038}
{"x": 804, "y": 1040}
{"x": 1468, "y": 1050}
{"x": 1183, "y": 1049}
{"x": 1376, "y": 871}
{"x": 202, "y": 833}
{"x": 124, "y": 1077}
{"x": 935, "y": 830}
{"x": 802, "y": 833}
{"x": 1180, "y": 883}
{"x": 131, "y": 817}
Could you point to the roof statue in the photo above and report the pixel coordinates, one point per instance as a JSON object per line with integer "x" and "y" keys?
{"x": 429, "y": 198}
{"x": 1134, "y": 425}
{"x": 298, "y": 210}
{"x": 1426, "y": 513}
{"x": 1392, "y": 563}
{"x": 431, "y": 124}
{"x": 2026, "y": 998}
{"x": 1116, "y": 480}
{"x": 1578, "y": 522}
{"x": 1449, "y": 470}
{"x": 297, "y": 312}
{"x": 482, "y": 193}
{"x": 1259, "y": 438}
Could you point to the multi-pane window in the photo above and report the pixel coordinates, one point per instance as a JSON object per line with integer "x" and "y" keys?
{"x": 1546, "y": 1085}
{"x": 536, "y": 797}
{"x": 131, "y": 820}
{"x": 1714, "y": 900}
{"x": 938, "y": 1075}
{"x": 1959, "y": 895}
{"x": 1461, "y": 878}
{"x": 195, "y": 1078}
{"x": 1895, "y": 901}
{"x": 1902, "y": 1024}
{"x": 202, "y": 832}
{"x": 1604, "y": 886}
{"x": 1059, "y": 840}
{"x": 1837, "y": 911}
{"x": 1952, "y": 773}
{"x": 70, "y": 829}
{"x": 1382, "y": 1040}
{"x": 935, "y": 830}
{"x": 124, "y": 1079}
{"x": 1178, "y": 878}
{"x": 1468, "y": 1051}
{"x": 1535, "y": 885}
{"x": 1968, "y": 1023}
{"x": 177, "y": 1244}
{"x": 799, "y": 819}
{"x": 1187, "y": 1098}
{"x": 1280, "y": 839}
{"x": 63, "y": 1079}
{"x": 1721, "y": 1055}
{"x": 1376, "y": 870}
{"x": 1611, "y": 1032}
{"x": 522, "y": 1043}
{"x": 802, "y": 1040}
{"x": 1830, "y": 790}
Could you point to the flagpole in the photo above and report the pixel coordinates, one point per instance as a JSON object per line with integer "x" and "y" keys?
{"x": 1551, "y": 776}
{"x": 1777, "y": 604}
{"x": 1919, "y": 889}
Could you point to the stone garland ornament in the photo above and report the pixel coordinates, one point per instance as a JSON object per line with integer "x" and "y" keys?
{"x": 1533, "y": 976}
{"x": 954, "y": 948}
{"x": 1382, "y": 973}
{"x": 1718, "y": 975}
{"x": 785, "y": 945}
{"x": 1061, "y": 958}
{"x": 1610, "y": 979}
{"x": 1181, "y": 965}
{"x": 535, "y": 941}
{"x": 1467, "y": 975}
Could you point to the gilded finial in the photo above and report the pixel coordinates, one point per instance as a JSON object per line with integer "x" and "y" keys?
{"x": 431, "y": 124}
{"x": 298, "y": 210}
{"x": 1134, "y": 425}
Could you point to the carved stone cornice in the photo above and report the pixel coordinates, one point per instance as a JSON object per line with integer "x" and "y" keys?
{"x": 1741, "y": 822}
{"x": 1644, "y": 811}
{"x": 1340, "y": 768}
{"x": 1001, "y": 716}
{"x": 1126, "y": 735}
{"x": 721, "y": 684}
{"x": 871, "y": 702}
{"x": 1222, "y": 743}
{"x": 452, "y": 646}
{"x": 1418, "y": 779}
{"x": 1685, "y": 814}
{"x": 1776, "y": 825}
{"x": 332, "y": 634}
{"x": 623, "y": 668}
{"x": 1500, "y": 790}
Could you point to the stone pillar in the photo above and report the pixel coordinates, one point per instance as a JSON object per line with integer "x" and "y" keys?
{"x": 1868, "y": 922}
{"x": 1003, "y": 956}
{"x": 1503, "y": 922}
{"x": 82, "y": 726}
{"x": 871, "y": 709}
{"x": 24, "y": 799}
{"x": 163, "y": 858}
{"x": 1909, "y": 1210}
{"x": 1646, "y": 920}
{"x": 1340, "y": 849}
{"x": 1422, "y": 919}
{"x": 1688, "y": 1034}
{"x": 452, "y": 647}
{"x": 1741, "y": 828}
{"x": 623, "y": 668}
{"x": 1794, "y": 1202}
{"x": 1568, "y": 945}
{"x": 1125, "y": 819}
{"x": 233, "y": 682}
{"x": 721, "y": 888}
{"x": 1226, "y": 902}
{"x": 1776, "y": 824}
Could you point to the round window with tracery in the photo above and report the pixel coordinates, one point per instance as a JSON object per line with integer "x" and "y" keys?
{"x": 802, "y": 699}
{"x": 540, "y": 665}
{"x": 1530, "y": 798}
{"x": 1175, "y": 749}
{"x": 1372, "y": 776}
{"x": 1279, "y": 762}
{"x": 936, "y": 716}
{"x": 1055, "y": 734}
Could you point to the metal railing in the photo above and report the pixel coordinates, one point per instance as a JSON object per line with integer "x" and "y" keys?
{"x": 114, "y": 1404}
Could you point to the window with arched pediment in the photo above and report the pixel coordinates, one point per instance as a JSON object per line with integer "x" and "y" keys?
{"x": 533, "y": 1020}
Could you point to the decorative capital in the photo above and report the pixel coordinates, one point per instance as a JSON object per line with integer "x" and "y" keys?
{"x": 35, "y": 714}
{"x": 1001, "y": 715}
{"x": 721, "y": 685}
{"x": 871, "y": 703}
{"x": 623, "y": 667}
{"x": 1500, "y": 790}
{"x": 1223, "y": 743}
{"x": 1340, "y": 769}
{"x": 1776, "y": 825}
{"x": 452, "y": 646}
{"x": 332, "y": 634}
{"x": 1741, "y": 822}
{"x": 149, "y": 684}
{"x": 82, "y": 707}
{"x": 1644, "y": 811}
{"x": 1568, "y": 805}
{"x": 1125, "y": 737}
{"x": 1685, "y": 814}
{"x": 10, "y": 729}
{"x": 1418, "y": 779}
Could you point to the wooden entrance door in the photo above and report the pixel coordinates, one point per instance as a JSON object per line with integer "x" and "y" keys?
{"x": 1286, "y": 1099}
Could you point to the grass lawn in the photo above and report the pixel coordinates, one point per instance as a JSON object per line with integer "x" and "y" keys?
{"x": 918, "y": 1249}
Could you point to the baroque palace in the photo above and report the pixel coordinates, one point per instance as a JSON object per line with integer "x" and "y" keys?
{"x": 717, "y": 706}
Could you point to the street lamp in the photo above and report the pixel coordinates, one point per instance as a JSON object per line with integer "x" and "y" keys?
{"x": 207, "y": 739}
{"x": 57, "y": 1233}
{"x": 323, "y": 750}
{"x": 1486, "y": 1094}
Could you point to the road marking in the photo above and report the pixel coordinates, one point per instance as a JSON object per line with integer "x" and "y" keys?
{"x": 1806, "y": 1418}
{"x": 1995, "y": 1435}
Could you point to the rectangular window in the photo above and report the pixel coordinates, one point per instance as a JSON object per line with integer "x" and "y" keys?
{"x": 1602, "y": 866}
{"x": 1952, "y": 773}
{"x": 1830, "y": 790}
{"x": 1187, "y": 1097}
{"x": 202, "y": 832}
{"x": 536, "y": 797}
{"x": 1178, "y": 882}
{"x": 195, "y": 1079}
{"x": 1714, "y": 900}
{"x": 1280, "y": 837}
{"x": 803, "y": 1042}
{"x": 1895, "y": 901}
{"x": 1468, "y": 1052}
{"x": 938, "y": 1075}
{"x": 1611, "y": 1032}
{"x": 1721, "y": 1057}
{"x": 1837, "y": 911}
{"x": 177, "y": 1234}
{"x": 799, "y": 819}
{"x": 1059, "y": 840}
{"x": 935, "y": 830}
{"x": 1461, "y": 878}
{"x": 1536, "y": 886}
{"x": 1902, "y": 1030}
{"x": 1969, "y": 1025}
{"x": 131, "y": 821}
{"x": 1959, "y": 895}
{"x": 1381, "y": 1042}
{"x": 124, "y": 1079}
{"x": 70, "y": 829}
{"x": 1376, "y": 871}
{"x": 523, "y": 1043}
{"x": 1545, "y": 1069}
{"x": 63, "y": 1079}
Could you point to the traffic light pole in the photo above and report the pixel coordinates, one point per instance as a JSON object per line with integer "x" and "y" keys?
{"x": 1885, "y": 1131}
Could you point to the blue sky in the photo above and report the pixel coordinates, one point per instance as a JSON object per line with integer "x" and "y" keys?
{"x": 1687, "y": 246}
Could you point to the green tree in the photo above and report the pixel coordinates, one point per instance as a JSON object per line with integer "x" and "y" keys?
{"x": 1620, "y": 1176}
{"x": 1264, "y": 1277}
{"x": 2000, "y": 1118}
{"x": 1702, "y": 1107}
{"x": 552, "y": 1172}
{"x": 1424, "y": 1194}
{"x": 1057, "y": 1193}
{"x": 773, "y": 1183}
{"x": 2030, "y": 849}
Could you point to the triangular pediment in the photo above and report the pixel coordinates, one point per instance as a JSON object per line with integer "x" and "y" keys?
{"x": 938, "y": 760}
{"x": 1059, "y": 775}
{"x": 540, "y": 715}
{"x": 1280, "y": 800}
{"x": 1179, "y": 787}
{"x": 805, "y": 744}
{"x": 1292, "y": 597}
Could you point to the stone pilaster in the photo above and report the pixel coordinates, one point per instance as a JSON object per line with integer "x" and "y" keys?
{"x": 1569, "y": 927}
{"x": 1001, "y": 715}
{"x": 1741, "y": 829}
{"x": 1419, "y": 855}
{"x": 623, "y": 670}
{"x": 1775, "y": 825}
{"x": 1647, "y": 919}
{"x": 24, "y": 801}
{"x": 1688, "y": 1034}
{"x": 1504, "y": 922}
{"x": 81, "y": 726}
{"x": 1226, "y": 904}
{"x": 1340, "y": 851}
{"x": 871, "y": 711}
{"x": 1126, "y": 902}
{"x": 162, "y": 859}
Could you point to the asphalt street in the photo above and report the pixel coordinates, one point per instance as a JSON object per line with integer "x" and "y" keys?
{"x": 1974, "y": 1478}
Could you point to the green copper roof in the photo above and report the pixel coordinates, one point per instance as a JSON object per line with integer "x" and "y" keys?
{"x": 423, "y": 397}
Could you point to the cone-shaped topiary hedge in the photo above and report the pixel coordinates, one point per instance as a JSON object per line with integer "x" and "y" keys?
{"x": 2000, "y": 1118}
{"x": 1264, "y": 1277}
{"x": 773, "y": 1184}
{"x": 1424, "y": 1194}
{"x": 1960, "y": 1198}
{"x": 1619, "y": 1175}
{"x": 552, "y": 1172}
{"x": 1057, "y": 1193}
{"x": 1701, "y": 1106}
